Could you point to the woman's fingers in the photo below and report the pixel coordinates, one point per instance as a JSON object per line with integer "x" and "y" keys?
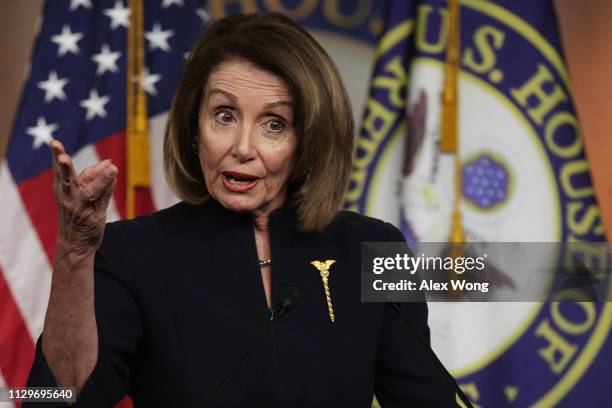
{"x": 66, "y": 170}
{"x": 82, "y": 200}
{"x": 57, "y": 148}
{"x": 101, "y": 183}
{"x": 108, "y": 191}
{"x": 92, "y": 171}
{"x": 62, "y": 166}
{"x": 93, "y": 186}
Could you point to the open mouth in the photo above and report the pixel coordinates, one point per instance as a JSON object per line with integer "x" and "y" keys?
{"x": 236, "y": 181}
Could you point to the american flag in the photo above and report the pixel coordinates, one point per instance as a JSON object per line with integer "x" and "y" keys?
{"x": 76, "y": 92}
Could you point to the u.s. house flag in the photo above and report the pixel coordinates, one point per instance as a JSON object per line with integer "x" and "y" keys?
{"x": 522, "y": 173}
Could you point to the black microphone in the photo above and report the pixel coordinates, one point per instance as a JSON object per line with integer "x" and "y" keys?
{"x": 287, "y": 301}
{"x": 428, "y": 350}
{"x": 284, "y": 304}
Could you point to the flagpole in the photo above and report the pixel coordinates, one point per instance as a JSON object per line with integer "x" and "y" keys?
{"x": 449, "y": 142}
{"x": 137, "y": 134}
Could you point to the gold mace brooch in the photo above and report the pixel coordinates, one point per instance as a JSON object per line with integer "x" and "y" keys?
{"x": 323, "y": 268}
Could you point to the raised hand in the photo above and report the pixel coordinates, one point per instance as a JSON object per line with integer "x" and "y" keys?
{"x": 82, "y": 201}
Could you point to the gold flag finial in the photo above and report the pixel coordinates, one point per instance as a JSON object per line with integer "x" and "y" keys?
{"x": 137, "y": 132}
{"x": 449, "y": 142}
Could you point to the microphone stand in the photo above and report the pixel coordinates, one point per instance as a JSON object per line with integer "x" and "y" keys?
{"x": 285, "y": 304}
{"x": 447, "y": 376}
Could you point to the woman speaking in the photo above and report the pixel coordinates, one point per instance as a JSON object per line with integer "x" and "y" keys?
{"x": 162, "y": 308}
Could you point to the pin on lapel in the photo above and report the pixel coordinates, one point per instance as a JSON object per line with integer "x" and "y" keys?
{"x": 323, "y": 268}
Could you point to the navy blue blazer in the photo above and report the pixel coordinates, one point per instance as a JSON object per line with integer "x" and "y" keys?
{"x": 179, "y": 299}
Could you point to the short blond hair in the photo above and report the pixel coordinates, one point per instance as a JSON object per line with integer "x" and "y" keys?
{"x": 323, "y": 118}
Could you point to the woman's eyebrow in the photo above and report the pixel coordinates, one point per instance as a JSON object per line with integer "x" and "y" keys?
{"x": 234, "y": 98}
{"x": 278, "y": 103}
{"x": 229, "y": 95}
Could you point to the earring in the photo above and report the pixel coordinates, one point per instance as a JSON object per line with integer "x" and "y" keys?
{"x": 195, "y": 145}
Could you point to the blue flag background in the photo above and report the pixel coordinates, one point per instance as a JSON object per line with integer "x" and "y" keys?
{"x": 524, "y": 175}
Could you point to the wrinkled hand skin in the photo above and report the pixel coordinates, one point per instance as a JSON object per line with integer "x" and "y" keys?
{"x": 81, "y": 201}
{"x": 70, "y": 336}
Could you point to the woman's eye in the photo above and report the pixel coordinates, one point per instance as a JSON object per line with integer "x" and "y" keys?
{"x": 275, "y": 125}
{"x": 224, "y": 116}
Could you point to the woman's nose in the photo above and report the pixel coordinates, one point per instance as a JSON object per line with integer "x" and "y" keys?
{"x": 243, "y": 147}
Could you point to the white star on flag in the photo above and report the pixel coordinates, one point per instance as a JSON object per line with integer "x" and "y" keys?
{"x": 168, "y": 3}
{"x": 119, "y": 15}
{"x": 41, "y": 132}
{"x": 158, "y": 38}
{"x": 67, "y": 41}
{"x": 148, "y": 81}
{"x": 204, "y": 15}
{"x": 75, "y": 4}
{"x": 106, "y": 60}
{"x": 53, "y": 87}
{"x": 94, "y": 105}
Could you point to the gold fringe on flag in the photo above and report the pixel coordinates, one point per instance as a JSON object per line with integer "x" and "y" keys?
{"x": 449, "y": 142}
{"x": 137, "y": 134}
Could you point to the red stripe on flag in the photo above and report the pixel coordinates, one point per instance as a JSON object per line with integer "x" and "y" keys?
{"x": 16, "y": 345}
{"x": 39, "y": 202}
{"x": 113, "y": 147}
{"x": 126, "y": 402}
{"x": 144, "y": 201}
